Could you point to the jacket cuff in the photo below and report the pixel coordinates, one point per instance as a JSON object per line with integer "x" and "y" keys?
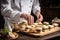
{"x": 36, "y": 9}
{"x": 15, "y": 16}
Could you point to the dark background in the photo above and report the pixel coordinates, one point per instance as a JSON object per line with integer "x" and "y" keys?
{"x": 1, "y": 17}
{"x": 49, "y": 9}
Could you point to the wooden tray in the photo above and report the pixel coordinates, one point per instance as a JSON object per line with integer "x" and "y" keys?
{"x": 43, "y": 33}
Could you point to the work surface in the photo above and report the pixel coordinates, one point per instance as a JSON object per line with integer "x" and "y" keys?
{"x": 27, "y": 37}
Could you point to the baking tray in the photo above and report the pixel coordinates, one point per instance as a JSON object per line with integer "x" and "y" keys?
{"x": 43, "y": 33}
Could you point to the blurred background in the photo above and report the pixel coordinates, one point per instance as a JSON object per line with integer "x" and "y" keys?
{"x": 50, "y": 9}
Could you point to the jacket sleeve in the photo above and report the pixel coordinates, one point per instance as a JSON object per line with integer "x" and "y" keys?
{"x": 36, "y": 6}
{"x": 8, "y": 12}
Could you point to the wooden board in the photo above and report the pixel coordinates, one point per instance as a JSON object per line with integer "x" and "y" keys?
{"x": 44, "y": 33}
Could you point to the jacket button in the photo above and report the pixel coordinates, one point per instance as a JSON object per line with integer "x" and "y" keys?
{"x": 28, "y": 11}
{"x": 30, "y": 0}
{"x": 30, "y": 6}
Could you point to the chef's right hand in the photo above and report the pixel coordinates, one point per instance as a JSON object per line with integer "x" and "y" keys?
{"x": 28, "y": 17}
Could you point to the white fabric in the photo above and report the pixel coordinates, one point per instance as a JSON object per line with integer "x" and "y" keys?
{"x": 13, "y": 9}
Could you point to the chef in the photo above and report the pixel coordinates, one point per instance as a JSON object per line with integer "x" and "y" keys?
{"x": 18, "y": 10}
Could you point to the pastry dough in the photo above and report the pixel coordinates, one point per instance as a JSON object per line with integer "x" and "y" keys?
{"x": 13, "y": 35}
{"x": 35, "y": 27}
{"x": 46, "y": 23}
{"x": 55, "y": 24}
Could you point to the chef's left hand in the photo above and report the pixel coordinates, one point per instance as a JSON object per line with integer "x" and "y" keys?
{"x": 39, "y": 16}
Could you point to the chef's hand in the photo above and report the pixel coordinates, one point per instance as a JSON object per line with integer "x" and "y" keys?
{"x": 28, "y": 17}
{"x": 39, "y": 16}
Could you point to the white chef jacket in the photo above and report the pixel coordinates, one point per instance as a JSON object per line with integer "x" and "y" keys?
{"x": 14, "y": 8}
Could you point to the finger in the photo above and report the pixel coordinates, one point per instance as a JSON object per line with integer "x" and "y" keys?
{"x": 39, "y": 16}
{"x": 39, "y": 20}
{"x": 32, "y": 19}
{"x": 26, "y": 16}
{"x": 29, "y": 19}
